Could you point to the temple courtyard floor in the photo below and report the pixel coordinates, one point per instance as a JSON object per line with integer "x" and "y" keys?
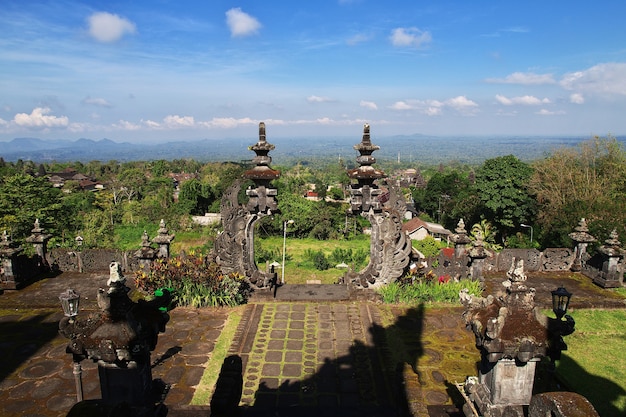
{"x": 307, "y": 350}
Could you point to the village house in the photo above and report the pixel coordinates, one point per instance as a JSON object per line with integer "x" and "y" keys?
{"x": 419, "y": 229}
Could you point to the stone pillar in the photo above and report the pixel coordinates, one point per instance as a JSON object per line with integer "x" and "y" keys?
{"x": 477, "y": 255}
{"x": 39, "y": 240}
{"x": 581, "y": 238}
{"x": 146, "y": 254}
{"x": 164, "y": 240}
{"x": 460, "y": 239}
{"x": 612, "y": 275}
{"x": 10, "y": 276}
{"x": 512, "y": 336}
{"x": 120, "y": 339}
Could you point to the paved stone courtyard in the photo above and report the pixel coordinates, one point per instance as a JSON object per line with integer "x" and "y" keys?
{"x": 299, "y": 358}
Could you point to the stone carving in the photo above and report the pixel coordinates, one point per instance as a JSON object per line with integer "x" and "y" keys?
{"x": 512, "y": 336}
{"x": 234, "y": 247}
{"x": 516, "y": 271}
{"x": 582, "y": 238}
{"x": 119, "y": 338}
{"x": 390, "y": 247}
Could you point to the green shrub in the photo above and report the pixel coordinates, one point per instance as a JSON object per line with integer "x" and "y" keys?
{"x": 194, "y": 281}
{"x": 420, "y": 291}
{"x": 429, "y": 247}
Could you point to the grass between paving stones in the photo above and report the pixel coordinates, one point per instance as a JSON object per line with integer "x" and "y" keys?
{"x": 595, "y": 364}
{"x": 204, "y": 389}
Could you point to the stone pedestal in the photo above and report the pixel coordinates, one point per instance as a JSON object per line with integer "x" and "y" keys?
{"x": 146, "y": 254}
{"x": 39, "y": 240}
{"x": 509, "y": 381}
{"x": 612, "y": 275}
{"x": 10, "y": 276}
{"x": 163, "y": 239}
{"x": 582, "y": 239}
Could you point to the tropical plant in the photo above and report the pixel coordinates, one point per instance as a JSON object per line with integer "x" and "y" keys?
{"x": 487, "y": 233}
{"x": 194, "y": 281}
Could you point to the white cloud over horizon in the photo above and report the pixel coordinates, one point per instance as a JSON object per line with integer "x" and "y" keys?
{"x": 410, "y": 37}
{"x": 107, "y": 28}
{"x": 39, "y": 119}
{"x": 524, "y": 78}
{"x": 241, "y": 24}
{"x": 523, "y": 100}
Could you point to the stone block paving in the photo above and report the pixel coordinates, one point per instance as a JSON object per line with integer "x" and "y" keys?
{"x": 339, "y": 359}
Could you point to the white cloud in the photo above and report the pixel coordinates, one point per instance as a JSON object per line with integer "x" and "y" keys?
{"x": 38, "y": 118}
{"x": 368, "y": 105}
{"x": 3, "y": 122}
{"x": 576, "y": 98}
{"x": 176, "y": 121}
{"x": 609, "y": 78}
{"x": 435, "y": 107}
{"x": 99, "y": 102}
{"x": 524, "y": 78}
{"x": 461, "y": 103}
{"x": 106, "y": 27}
{"x": 358, "y": 38}
{"x": 410, "y": 37}
{"x": 151, "y": 124}
{"x": 544, "y": 112}
{"x": 126, "y": 125}
{"x": 523, "y": 100}
{"x": 241, "y": 23}
{"x": 401, "y": 105}
{"x": 228, "y": 122}
{"x": 318, "y": 99}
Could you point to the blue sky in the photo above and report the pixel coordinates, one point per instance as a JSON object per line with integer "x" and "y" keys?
{"x": 177, "y": 70}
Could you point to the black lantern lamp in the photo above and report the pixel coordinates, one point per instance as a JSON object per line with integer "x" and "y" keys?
{"x": 70, "y": 300}
{"x": 560, "y": 301}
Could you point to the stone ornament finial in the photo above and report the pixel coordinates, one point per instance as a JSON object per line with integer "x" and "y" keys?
{"x": 116, "y": 277}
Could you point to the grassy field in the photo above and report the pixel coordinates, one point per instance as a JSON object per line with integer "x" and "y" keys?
{"x": 595, "y": 363}
{"x": 298, "y": 269}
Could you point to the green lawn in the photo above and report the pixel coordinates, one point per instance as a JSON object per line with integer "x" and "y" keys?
{"x": 297, "y": 268}
{"x": 595, "y": 363}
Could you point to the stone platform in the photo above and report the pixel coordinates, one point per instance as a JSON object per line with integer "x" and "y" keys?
{"x": 321, "y": 356}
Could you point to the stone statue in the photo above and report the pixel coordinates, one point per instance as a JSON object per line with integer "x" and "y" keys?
{"x": 116, "y": 278}
{"x": 516, "y": 271}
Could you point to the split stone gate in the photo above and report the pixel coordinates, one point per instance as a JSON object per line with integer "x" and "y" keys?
{"x": 390, "y": 247}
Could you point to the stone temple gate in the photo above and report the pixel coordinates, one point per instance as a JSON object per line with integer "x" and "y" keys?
{"x": 390, "y": 248}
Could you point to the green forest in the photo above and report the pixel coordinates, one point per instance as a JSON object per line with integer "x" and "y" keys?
{"x": 122, "y": 199}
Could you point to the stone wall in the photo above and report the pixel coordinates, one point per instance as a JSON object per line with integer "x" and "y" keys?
{"x": 550, "y": 260}
{"x": 91, "y": 260}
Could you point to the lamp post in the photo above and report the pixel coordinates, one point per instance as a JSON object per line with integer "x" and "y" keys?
{"x": 531, "y": 230}
{"x": 70, "y": 301}
{"x": 560, "y": 301}
{"x": 285, "y": 223}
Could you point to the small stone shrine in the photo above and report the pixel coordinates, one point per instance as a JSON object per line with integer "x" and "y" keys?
{"x": 512, "y": 336}
{"x": 390, "y": 247}
{"x": 146, "y": 254}
{"x": 612, "y": 274}
{"x": 119, "y": 338}
{"x": 582, "y": 238}
{"x": 234, "y": 248}
{"x": 10, "y": 275}
{"x": 39, "y": 239}
{"x": 163, "y": 239}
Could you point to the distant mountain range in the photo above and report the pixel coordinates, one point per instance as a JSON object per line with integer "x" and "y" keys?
{"x": 408, "y": 148}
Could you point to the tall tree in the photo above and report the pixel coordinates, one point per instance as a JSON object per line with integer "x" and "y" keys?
{"x": 585, "y": 181}
{"x": 502, "y": 186}
{"x": 24, "y": 198}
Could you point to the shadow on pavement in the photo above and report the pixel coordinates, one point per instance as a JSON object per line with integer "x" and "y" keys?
{"x": 368, "y": 381}
{"x": 21, "y": 339}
